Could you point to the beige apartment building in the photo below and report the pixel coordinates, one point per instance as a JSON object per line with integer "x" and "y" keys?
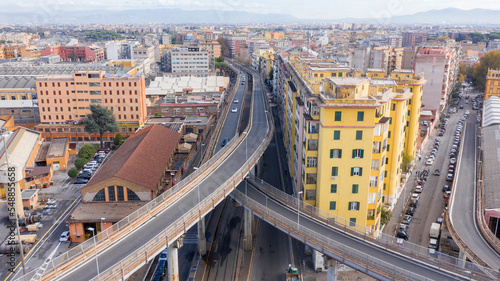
{"x": 66, "y": 99}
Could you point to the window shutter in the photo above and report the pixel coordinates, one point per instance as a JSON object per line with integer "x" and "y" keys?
{"x": 360, "y": 171}
{"x": 340, "y": 153}
{"x": 331, "y": 153}
{"x": 362, "y": 153}
{"x": 352, "y": 171}
{"x": 354, "y": 153}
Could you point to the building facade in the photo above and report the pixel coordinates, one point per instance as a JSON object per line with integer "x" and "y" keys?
{"x": 347, "y": 136}
{"x": 492, "y": 87}
{"x": 66, "y": 100}
{"x": 189, "y": 59}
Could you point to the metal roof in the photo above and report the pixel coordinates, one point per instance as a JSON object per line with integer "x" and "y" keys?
{"x": 491, "y": 112}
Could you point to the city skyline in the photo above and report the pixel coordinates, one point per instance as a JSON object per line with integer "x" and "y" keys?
{"x": 314, "y": 10}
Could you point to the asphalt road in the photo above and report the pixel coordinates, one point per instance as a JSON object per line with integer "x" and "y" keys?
{"x": 462, "y": 209}
{"x": 154, "y": 226}
{"x": 431, "y": 203}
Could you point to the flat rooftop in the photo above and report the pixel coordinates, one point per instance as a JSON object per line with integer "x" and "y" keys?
{"x": 490, "y": 143}
{"x": 348, "y": 81}
{"x": 59, "y": 69}
{"x": 171, "y": 85}
{"x": 28, "y": 193}
{"x": 57, "y": 147}
{"x": 112, "y": 212}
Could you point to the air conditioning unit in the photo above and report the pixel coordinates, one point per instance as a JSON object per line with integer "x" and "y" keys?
{"x": 334, "y": 178}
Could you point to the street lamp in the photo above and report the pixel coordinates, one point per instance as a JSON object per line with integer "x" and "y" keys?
{"x": 95, "y": 249}
{"x": 298, "y": 208}
{"x": 198, "y": 189}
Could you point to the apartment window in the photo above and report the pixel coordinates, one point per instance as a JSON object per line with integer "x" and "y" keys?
{"x": 310, "y": 178}
{"x": 312, "y": 145}
{"x": 361, "y": 116}
{"x": 335, "y": 171}
{"x": 335, "y": 153}
{"x": 352, "y": 221}
{"x": 356, "y": 171}
{"x": 388, "y": 146}
{"x": 353, "y": 206}
{"x": 375, "y": 164}
{"x": 338, "y": 116}
{"x": 359, "y": 135}
{"x": 333, "y": 205}
{"x": 389, "y": 134}
{"x": 336, "y": 135}
{"x": 372, "y": 198}
{"x": 355, "y": 188}
{"x": 373, "y": 181}
{"x": 385, "y": 174}
{"x": 358, "y": 153}
{"x": 333, "y": 188}
{"x": 393, "y": 107}
{"x": 312, "y": 162}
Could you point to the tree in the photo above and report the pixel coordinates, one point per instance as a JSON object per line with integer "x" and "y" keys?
{"x": 87, "y": 151}
{"x": 490, "y": 60}
{"x": 466, "y": 70}
{"x": 223, "y": 47}
{"x": 221, "y": 65}
{"x": 72, "y": 173}
{"x": 385, "y": 216}
{"x": 100, "y": 120}
{"x": 118, "y": 140}
{"x": 407, "y": 160}
{"x": 80, "y": 162}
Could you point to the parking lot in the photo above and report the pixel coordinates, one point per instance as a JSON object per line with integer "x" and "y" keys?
{"x": 433, "y": 172}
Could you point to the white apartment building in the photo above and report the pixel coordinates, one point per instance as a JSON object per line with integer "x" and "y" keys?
{"x": 189, "y": 59}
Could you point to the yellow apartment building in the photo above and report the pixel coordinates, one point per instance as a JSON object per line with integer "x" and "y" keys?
{"x": 347, "y": 136}
{"x": 492, "y": 87}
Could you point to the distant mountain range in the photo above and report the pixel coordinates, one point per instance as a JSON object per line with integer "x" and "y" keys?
{"x": 179, "y": 16}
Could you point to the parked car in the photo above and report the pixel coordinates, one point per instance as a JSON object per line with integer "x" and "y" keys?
{"x": 449, "y": 177}
{"x": 406, "y": 219}
{"x": 81, "y": 180}
{"x": 410, "y": 211}
{"x": 403, "y": 235}
{"x": 418, "y": 189}
{"x": 64, "y": 236}
{"x": 105, "y": 149}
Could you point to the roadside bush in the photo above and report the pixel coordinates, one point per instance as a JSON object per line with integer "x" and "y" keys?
{"x": 72, "y": 173}
{"x": 80, "y": 162}
{"x": 118, "y": 140}
{"x": 87, "y": 151}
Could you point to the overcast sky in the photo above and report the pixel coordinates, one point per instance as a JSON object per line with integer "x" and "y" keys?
{"x": 305, "y": 9}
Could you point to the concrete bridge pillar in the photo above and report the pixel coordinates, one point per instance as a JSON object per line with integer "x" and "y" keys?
{"x": 462, "y": 257}
{"x": 248, "y": 230}
{"x": 173, "y": 261}
{"x": 332, "y": 270}
{"x": 202, "y": 241}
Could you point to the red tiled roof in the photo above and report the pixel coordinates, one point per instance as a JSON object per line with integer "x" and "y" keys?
{"x": 142, "y": 158}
